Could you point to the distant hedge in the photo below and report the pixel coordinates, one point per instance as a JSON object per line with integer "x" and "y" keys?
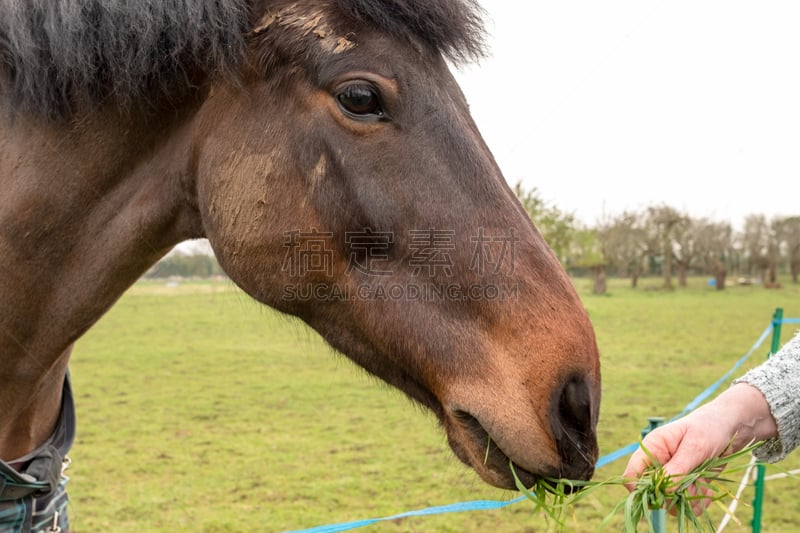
{"x": 186, "y": 266}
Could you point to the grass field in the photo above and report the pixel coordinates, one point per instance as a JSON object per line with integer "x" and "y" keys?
{"x": 199, "y": 410}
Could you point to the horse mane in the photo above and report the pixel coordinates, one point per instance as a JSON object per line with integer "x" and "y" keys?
{"x": 453, "y": 28}
{"x": 55, "y": 56}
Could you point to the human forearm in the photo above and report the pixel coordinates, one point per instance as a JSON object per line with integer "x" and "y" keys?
{"x": 779, "y": 382}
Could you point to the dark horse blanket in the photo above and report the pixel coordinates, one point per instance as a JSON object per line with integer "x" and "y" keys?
{"x": 33, "y": 495}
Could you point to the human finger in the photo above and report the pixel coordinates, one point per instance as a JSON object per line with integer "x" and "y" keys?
{"x": 659, "y": 445}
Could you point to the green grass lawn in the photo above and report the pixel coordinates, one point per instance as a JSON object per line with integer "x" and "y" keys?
{"x": 200, "y": 410}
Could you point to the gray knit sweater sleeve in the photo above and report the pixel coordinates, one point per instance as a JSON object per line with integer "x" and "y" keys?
{"x": 779, "y": 380}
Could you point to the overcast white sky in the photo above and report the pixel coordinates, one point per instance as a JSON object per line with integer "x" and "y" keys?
{"x": 613, "y": 105}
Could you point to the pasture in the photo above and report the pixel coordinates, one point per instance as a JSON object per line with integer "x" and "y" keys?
{"x": 200, "y": 410}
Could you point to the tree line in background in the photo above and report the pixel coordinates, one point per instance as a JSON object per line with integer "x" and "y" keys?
{"x": 662, "y": 240}
{"x": 658, "y": 240}
{"x": 186, "y": 265}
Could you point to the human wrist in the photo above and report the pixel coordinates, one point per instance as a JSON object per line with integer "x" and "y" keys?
{"x": 749, "y": 414}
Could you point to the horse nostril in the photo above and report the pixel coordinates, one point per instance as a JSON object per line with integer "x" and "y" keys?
{"x": 575, "y": 406}
{"x": 572, "y": 422}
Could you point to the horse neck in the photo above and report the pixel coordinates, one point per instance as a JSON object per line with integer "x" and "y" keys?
{"x": 87, "y": 207}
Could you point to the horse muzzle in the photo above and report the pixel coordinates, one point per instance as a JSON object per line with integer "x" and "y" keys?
{"x": 505, "y": 441}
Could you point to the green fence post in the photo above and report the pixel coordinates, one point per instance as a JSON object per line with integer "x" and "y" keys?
{"x": 658, "y": 517}
{"x": 758, "y": 498}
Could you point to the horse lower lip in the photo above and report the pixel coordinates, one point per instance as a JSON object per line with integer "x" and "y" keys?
{"x": 495, "y": 458}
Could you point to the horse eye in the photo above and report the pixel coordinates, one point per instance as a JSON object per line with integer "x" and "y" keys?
{"x": 360, "y": 100}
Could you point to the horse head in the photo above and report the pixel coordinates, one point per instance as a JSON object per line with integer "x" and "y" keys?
{"x": 341, "y": 179}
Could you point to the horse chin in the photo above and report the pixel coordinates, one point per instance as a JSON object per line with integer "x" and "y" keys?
{"x": 474, "y": 446}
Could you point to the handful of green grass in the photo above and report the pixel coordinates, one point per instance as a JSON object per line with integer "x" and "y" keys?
{"x": 654, "y": 490}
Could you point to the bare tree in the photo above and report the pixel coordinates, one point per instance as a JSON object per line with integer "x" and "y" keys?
{"x": 623, "y": 241}
{"x": 685, "y": 248}
{"x": 588, "y": 254}
{"x": 714, "y": 243}
{"x": 788, "y": 234}
{"x": 754, "y": 242}
{"x": 662, "y": 223}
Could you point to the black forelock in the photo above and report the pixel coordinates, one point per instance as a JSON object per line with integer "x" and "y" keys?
{"x": 58, "y": 54}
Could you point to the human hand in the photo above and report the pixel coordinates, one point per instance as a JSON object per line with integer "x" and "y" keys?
{"x": 679, "y": 447}
{"x": 725, "y": 425}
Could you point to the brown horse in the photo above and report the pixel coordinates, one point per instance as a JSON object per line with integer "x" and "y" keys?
{"x": 326, "y": 152}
